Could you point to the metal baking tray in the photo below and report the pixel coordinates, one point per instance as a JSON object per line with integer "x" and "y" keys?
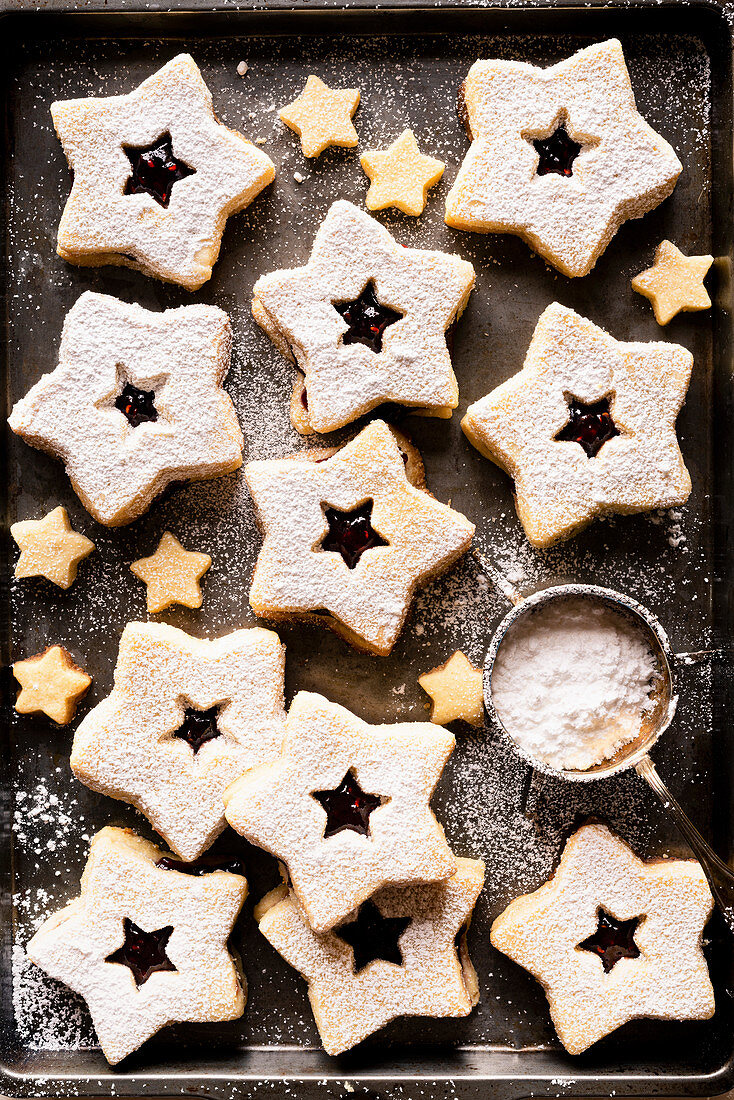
{"x": 408, "y": 62}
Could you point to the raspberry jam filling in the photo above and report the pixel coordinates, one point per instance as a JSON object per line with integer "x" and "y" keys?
{"x": 137, "y": 406}
{"x": 367, "y": 319}
{"x": 613, "y": 940}
{"x": 198, "y": 727}
{"x": 204, "y": 865}
{"x": 372, "y": 936}
{"x": 155, "y": 170}
{"x": 556, "y": 153}
{"x": 347, "y": 807}
{"x": 351, "y": 533}
{"x": 590, "y": 425}
{"x": 144, "y": 953}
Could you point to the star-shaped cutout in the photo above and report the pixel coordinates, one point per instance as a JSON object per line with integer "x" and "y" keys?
{"x": 50, "y": 547}
{"x": 423, "y": 292}
{"x": 613, "y": 940}
{"x": 172, "y": 574}
{"x": 50, "y": 684}
{"x": 674, "y": 283}
{"x": 367, "y": 318}
{"x": 520, "y": 175}
{"x": 456, "y": 691}
{"x": 322, "y": 116}
{"x": 415, "y": 968}
{"x": 295, "y": 575}
{"x": 549, "y": 932}
{"x": 151, "y": 742}
{"x": 350, "y": 533}
{"x": 347, "y": 806}
{"x": 529, "y": 426}
{"x": 144, "y": 946}
{"x": 400, "y": 175}
{"x": 335, "y": 870}
{"x": 156, "y": 176}
{"x": 181, "y": 356}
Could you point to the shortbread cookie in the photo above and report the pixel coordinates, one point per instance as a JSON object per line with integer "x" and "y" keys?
{"x": 350, "y": 536}
{"x": 156, "y": 176}
{"x": 674, "y": 283}
{"x": 172, "y": 575}
{"x": 456, "y": 691}
{"x": 346, "y": 806}
{"x": 559, "y": 156}
{"x": 611, "y": 938}
{"x": 366, "y": 319}
{"x": 400, "y": 175}
{"x": 186, "y": 717}
{"x": 50, "y": 548}
{"x": 144, "y": 946}
{"x": 587, "y": 427}
{"x": 135, "y": 403}
{"x": 50, "y": 684}
{"x": 396, "y": 956}
{"x": 322, "y": 116}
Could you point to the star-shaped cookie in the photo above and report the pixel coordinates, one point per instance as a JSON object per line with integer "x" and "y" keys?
{"x": 322, "y": 116}
{"x": 456, "y": 691}
{"x": 135, "y": 403}
{"x": 172, "y": 574}
{"x": 425, "y": 976}
{"x": 674, "y": 283}
{"x": 400, "y": 175}
{"x": 156, "y": 176}
{"x": 560, "y": 156}
{"x": 186, "y": 717}
{"x": 144, "y": 946}
{"x": 351, "y": 536}
{"x": 587, "y": 427}
{"x": 50, "y": 547}
{"x": 366, "y": 319}
{"x": 346, "y": 807}
{"x": 611, "y": 938}
{"x": 50, "y": 684}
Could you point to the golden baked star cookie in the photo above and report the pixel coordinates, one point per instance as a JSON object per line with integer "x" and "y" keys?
{"x": 172, "y": 574}
{"x": 456, "y": 691}
{"x": 322, "y": 116}
{"x": 674, "y": 283}
{"x": 400, "y": 175}
{"x": 611, "y": 938}
{"x": 50, "y": 547}
{"x": 50, "y": 684}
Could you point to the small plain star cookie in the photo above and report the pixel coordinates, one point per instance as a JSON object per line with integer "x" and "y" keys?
{"x": 50, "y": 548}
{"x": 186, "y": 717}
{"x": 172, "y": 574}
{"x": 400, "y": 175}
{"x": 559, "y": 156}
{"x": 587, "y": 427}
{"x": 144, "y": 946}
{"x": 322, "y": 116}
{"x": 674, "y": 283}
{"x": 346, "y": 807}
{"x": 366, "y": 320}
{"x": 396, "y": 956}
{"x": 612, "y": 939}
{"x": 351, "y": 536}
{"x": 456, "y": 691}
{"x": 156, "y": 176}
{"x": 50, "y": 684}
{"x": 135, "y": 403}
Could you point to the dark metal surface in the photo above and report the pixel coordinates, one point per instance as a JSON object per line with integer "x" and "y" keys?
{"x": 408, "y": 64}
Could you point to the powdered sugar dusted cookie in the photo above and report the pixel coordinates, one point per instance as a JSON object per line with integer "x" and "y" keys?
{"x": 144, "y": 946}
{"x": 346, "y": 806}
{"x": 395, "y": 956}
{"x": 587, "y": 427}
{"x": 351, "y": 536}
{"x": 611, "y": 938}
{"x": 559, "y": 156}
{"x": 365, "y": 320}
{"x": 186, "y": 717}
{"x": 156, "y": 176}
{"x": 135, "y": 403}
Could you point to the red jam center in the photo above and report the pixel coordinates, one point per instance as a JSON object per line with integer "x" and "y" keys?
{"x": 137, "y": 406}
{"x": 351, "y": 533}
{"x": 613, "y": 940}
{"x": 143, "y": 952}
{"x": 590, "y": 425}
{"x": 155, "y": 170}
{"x": 557, "y": 153}
{"x": 367, "y": 319}
{"x": 372, "y": 936}
{"x": 198, "y": 727}
{"x": 204, "y": 865}
{"x": 347, "y": 807}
